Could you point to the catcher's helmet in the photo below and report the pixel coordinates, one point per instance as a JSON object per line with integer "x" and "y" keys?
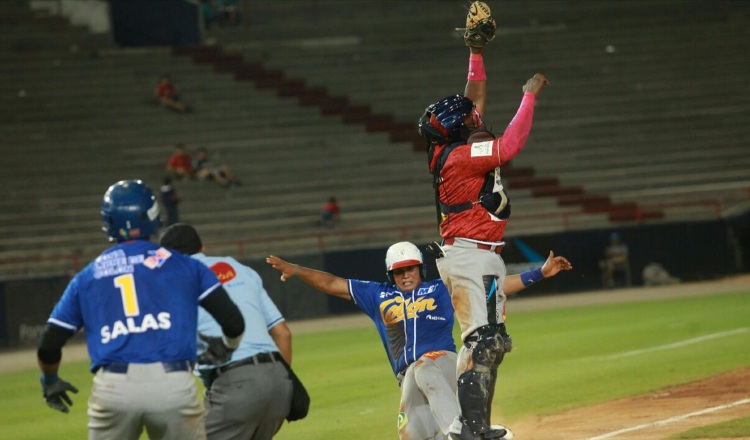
{"x": 129, "y": 211}
{"x": 404, "y": 254}
{"x": 443, "y": 121}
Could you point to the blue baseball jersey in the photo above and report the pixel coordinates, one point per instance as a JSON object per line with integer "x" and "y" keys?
{"x": 137, "y": 303}
{"x": 245, "y": 288}
{"x": 410, "y": 324}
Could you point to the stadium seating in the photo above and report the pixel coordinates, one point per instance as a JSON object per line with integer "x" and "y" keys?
{"x": 645, "y": 120}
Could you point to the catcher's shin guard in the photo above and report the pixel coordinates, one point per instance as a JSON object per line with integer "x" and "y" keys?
{"x": 473, "y": 386}
{"x": 472, "y": 397}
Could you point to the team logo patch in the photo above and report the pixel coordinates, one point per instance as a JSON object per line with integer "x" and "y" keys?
{"x": 481, "y": 149}
{"x": 402, "y": 420}
{"x": 224, "y": 272}
{"x": 156, "y": 258}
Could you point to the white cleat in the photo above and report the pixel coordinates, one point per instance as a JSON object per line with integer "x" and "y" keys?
{"x": 508, "y": 433}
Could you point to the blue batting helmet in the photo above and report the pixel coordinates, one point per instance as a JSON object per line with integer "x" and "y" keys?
{"x": 129, "y": 211}
{"x": 443, "y": 121}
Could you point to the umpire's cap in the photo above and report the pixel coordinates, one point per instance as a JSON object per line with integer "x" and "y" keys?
{"x": 182, "y": 237}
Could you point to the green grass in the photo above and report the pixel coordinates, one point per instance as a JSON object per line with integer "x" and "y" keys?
{"x": 560, "y": 361}
{"x": 738, "y": 428}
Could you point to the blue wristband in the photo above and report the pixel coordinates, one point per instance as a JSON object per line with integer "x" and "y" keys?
{"x": 531, "y": 276}
{"x": 49, "y": 380}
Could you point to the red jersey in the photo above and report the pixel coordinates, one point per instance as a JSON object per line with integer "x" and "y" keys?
{"x": 464, "y": 171}
{"x": 180, "y": 161}
{"x": 165, "y": 90}
{"x": 331, "y": 207}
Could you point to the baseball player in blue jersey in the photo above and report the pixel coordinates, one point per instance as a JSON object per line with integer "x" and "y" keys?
{"x": 414, "y": 319}
{"x": 138, "y": 305}
{"x": 249, "y": 396}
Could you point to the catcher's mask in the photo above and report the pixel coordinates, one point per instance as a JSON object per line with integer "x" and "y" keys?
{"x": 444, "y": 122}
{"x": 129, "y": 211}
{"x": 404, "y": 254}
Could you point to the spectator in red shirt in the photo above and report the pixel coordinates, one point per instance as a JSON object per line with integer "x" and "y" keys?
{"x": 330, "y": 214}
{"x": 167, "y": 94}
{"x": 179, "y": 164}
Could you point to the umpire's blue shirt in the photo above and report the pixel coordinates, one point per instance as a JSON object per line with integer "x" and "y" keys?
{"x": 245, "y": 288}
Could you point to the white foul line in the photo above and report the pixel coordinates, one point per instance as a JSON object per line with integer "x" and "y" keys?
{"x": 678, "y": 344}
{"x": 670, "y": 420}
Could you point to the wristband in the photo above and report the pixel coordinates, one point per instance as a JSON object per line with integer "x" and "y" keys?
{"x": 49, "y": 380}
{"x": 531, "y": 276}
{"x": 476, "y": 68}
{"x": 296, "y": 269}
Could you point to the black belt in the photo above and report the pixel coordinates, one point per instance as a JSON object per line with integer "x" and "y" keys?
{"x": 169, "y": 367}
{"x": 260, "y": 358}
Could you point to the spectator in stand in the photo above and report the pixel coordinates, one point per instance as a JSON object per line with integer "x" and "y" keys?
{"x": 208, "y": 11}
{"x": 167, "y": 94}
{"x": 207, "y": 170}
{"x": 616, "y": 260}
{"x": 179, "y": 164}
{"x": 229, "y": 11}
{"x": 331, "y": 213}
{"x": 170, "y": 200}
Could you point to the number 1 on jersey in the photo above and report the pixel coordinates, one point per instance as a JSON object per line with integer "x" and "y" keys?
{"x": 126, "y": 284}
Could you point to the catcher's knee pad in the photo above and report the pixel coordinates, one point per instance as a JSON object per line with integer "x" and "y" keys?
{"x": 491, "y": 340}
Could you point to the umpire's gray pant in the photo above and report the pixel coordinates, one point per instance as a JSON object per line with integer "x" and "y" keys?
{"x": 249, "y": 402}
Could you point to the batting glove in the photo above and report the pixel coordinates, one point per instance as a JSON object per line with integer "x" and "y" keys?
{"x": 217, "y": 352}
{"x": 55, "y": 392}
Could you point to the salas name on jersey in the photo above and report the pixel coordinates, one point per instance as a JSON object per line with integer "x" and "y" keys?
{"x": 149, "y": 322}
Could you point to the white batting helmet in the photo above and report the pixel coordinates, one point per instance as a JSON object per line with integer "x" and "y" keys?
{"x": 404, "y": 254}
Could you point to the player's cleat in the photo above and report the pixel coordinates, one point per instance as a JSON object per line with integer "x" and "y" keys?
{"x": 497, "y": 432}
{"x": 508, "y": 433}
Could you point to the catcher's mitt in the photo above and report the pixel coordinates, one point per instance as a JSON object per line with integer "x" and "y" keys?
{"x": 480, "y": 25}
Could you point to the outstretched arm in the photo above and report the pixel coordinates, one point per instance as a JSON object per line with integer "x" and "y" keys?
{"x": 517, "y": 282}
{"x": 323, "y": 281}
{"x": 476, "y": 84}
{"x": 515, "y": 135}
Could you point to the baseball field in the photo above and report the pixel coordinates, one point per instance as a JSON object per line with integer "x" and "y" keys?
{"x": 645, "y": 363}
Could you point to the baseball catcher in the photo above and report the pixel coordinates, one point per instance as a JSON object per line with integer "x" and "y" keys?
{"x": 473, "y": 209}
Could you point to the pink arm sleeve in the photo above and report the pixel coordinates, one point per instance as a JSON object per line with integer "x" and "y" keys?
{"x": 518, "y": 130}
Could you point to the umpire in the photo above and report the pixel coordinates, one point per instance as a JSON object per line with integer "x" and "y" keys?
{"x": 249, "y": 396}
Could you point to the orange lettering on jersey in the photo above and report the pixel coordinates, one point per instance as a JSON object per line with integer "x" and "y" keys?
{"x": 392, "y": 311}
{"x": 224, "y": 272}
{"x": 434, "y": 354}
